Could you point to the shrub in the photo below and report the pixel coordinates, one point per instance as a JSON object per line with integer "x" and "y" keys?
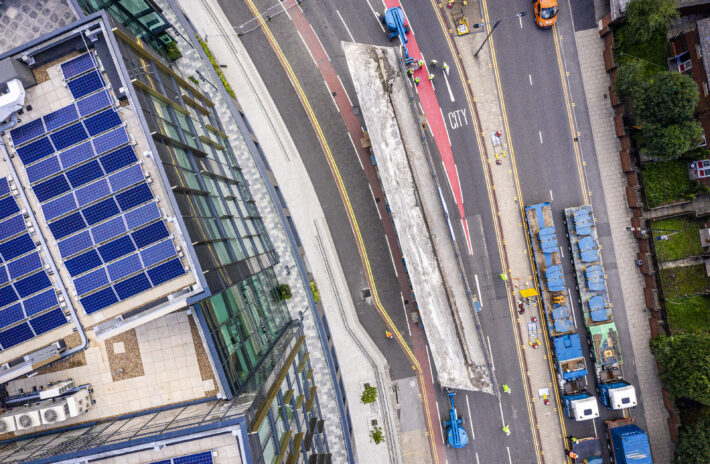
{"x": 693, "y": 445}
{"x": 216, "y": 67}
{"x": 369, "y": 395}
{"x": 667, "y": 181}
{"x": 646, "y": 19}
{"x": 685, "y": 362}
{"x": 377, "y": 435}
{"x": 283, "y": 292}
{"x": 314, "y": 291}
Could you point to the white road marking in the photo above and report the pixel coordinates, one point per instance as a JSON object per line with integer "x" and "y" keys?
{"x": 500, "y": 406}
{"x": 551, "y": 197}
{"x": 458, "y": 181}
{"x": 376, "y": 16}
{"x": 441, "y": 429}
{"x": 448, "y": 180}
{"x": 520, "y": 18}
{"x": 346, "y": 26}
{"x": 306, "y": 46}
{"x": 509, "y": 458}
{"x": 470, "y": 422}
{"x": 464, "y": 223}
{"x": 491, "y": 352}
{"x": 594, "y": 424}
{"x": 562, "y": 253}
{"x": 451, "y": 94}
{"x": 445, "y": 126}
{"x": 530, "y": 78}
{"x": 346, "y": 92}
{"x": 356, "y": 154}
{"x": 378, "y": 213}
{"x": 431, "y": 372}
{"x": 321, "y": 43}
{"x": 405, "y": 313}
{"x": 574, "y": 318}
{"x": 477, "y": 461}
{"x": 478, "y": 289}
{"x": 540, "y": 134}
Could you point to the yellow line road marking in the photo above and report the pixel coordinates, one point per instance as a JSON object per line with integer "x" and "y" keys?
{"x": 351, "y": 215}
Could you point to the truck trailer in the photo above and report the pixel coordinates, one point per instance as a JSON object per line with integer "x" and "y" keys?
{"x": 628, "y": 444}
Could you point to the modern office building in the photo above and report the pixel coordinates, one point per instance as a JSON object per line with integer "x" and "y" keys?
{"x": 135, "y": 262}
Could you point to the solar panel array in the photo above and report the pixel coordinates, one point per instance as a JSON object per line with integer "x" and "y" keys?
{"x": 198, "y": 458}
{"x": 94, "y": 195}
{"x": 28, "y": 301}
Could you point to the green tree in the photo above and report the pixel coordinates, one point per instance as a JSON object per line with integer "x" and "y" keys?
{"x": 665, "y": 98}
{"x": 693, "y": 445}
{"x": 685, "y": 359}
{"x": 369, "y": 395}
{"x": 377, "y": 435}
{"x": 629, "y": 75}
{"x": 672, "y": 141}
{"x": 647, "y": 19}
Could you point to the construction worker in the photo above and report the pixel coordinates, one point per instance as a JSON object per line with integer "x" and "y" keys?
{"x": 388, "y": 335}
{"x": 445, "y": 67}
{"x": 416, "y": 81}
{"x": 574, "y": 440}
{"x": 503, "y": 276}
{"x": 433, "y": 63}
{"x": 573, "y": 455}
{"x": 506, "y": 389}
{"x": 506, "y": 429}
{"x": 431, "y": 77}
{"x": 421, "y": 64}
{"x": 410, "y": 71}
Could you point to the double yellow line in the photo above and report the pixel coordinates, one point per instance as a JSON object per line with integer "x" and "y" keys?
{"x": 351, "y": 217}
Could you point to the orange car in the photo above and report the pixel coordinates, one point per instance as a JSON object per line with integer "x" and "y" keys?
{"x": 545, "y": 12}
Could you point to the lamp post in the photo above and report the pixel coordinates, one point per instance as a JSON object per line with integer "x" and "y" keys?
{"x": 519, "y": 15}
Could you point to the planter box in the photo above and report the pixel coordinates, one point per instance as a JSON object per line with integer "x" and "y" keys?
{"x": 652, "y": 300}
{"x": 619, "y": 126}
{"x": 613, "y": 98}
{"x": 625, "y": 143}
{"x": 604, "y": 25}
{"x": 632, "y": 197}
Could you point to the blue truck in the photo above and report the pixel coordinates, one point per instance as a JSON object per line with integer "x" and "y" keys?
{"x": 628, "y": 444}
{"x": 602, "y": 335}
{"x": 569, "y": 362}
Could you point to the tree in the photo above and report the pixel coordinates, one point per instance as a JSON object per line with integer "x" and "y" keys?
{"x": 369, "y": 395}
{"x": 685, "y": 359}
{"x": 629, "y": 75}
{"x": 647, "y": 19}
{"x": 672, "y": 141}
{"x": 693, "y": 445}
{"x": 665, "y": 98}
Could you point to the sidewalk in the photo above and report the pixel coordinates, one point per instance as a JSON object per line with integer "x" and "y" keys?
{"x": 353, "y": 346}
{"x": 596, "y": 87}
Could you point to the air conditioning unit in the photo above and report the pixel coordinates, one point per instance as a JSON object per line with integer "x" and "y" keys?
{"x": 7, "y": 422}
{"x": 79, "y": 402}
{"x": 57, "y": 389}
{"x": 56, "y": 412}
{"x": 28, "y": 419}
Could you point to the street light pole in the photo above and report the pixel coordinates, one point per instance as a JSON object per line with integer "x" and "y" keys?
{"x": 519, "y": 15}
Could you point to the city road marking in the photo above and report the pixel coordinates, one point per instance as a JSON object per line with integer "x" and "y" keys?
{"x": 321, "y": 43}
{"x": 540, "y": 134}
{"x": 451, "y": 94}
{"x": 346, "y": 26}
{"x": 376, "y": 16}
{"x": 551, "y": 197}
{"x": 468, "y": 406}
{"x": 509, "y": 459}
{"x": 438, "y": 412}
{"x": 530, "y": 78}
{"x": 491, "y": 352}
{"x": 478, "y": 289}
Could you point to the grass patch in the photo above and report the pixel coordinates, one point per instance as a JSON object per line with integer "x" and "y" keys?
{"x": 689, "y": 314}
{"x": 667, "y": 182}
{"x": 653, "y": 51}
{"x": 684, "y": 281}
{"x": 216, "y": 67}
{"x": 683, "y": 244}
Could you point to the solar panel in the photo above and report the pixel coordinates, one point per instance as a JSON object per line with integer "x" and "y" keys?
{"x": 32, "y": 284}
{"x": 7, "y": 295}
{"x": 18, "y": 246}
{"x": 48, "y": 321}
{"x": 198, "y": 458}
{"x": 84, "y": 174}
{"x": 82, "y": 263}
{"x": 61, "y": 117}
{"x": 124, "y": 267}
{"x": 12, "y": 226}
{"x": 142, "y": 215}
{"x": 110, "y": 140}
{"x": 25, "y": 265}
{"x": 78, "y": 65}
{"x": 132, "y": 286}
{"x": 75, "y": 244}
{"x": 8, "y": 207}
{"x": 116, "y": 248}
{"x": 90, "y": 281}
{"x": 43, "y": 169}
{"x": 61, "y": 205}
{"x": 118, "y": 159}
{"x": 3, "y": 275}
{"x": 93, "y": 103}
{"x": 15, "y": 335}
{"x": 76, "y": 155}
{"x": 108, "y": 230}
{"x": 102, "y": 122}
{"x": 86, "y": 84}
{"x": 150, "y": 234}
{"x": 11, "y": 315}
{"x": 100, "y": 211}
{"x": 92, "y": 192}
{"x": 51, "y": 188}
{"x": 126, "y": 178}
{"x": 69, "y": 136}
{"x": 40, "y": 302}
{"x": 67, "y": 225}
{"x": 4, "y": 186}
{"x": 35, "y": 151}
{"x": 137, "y": 195}
{"x": 99, "y": 300}
{"x": 166, "y": 271}
{"x": 27, "y": 132}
